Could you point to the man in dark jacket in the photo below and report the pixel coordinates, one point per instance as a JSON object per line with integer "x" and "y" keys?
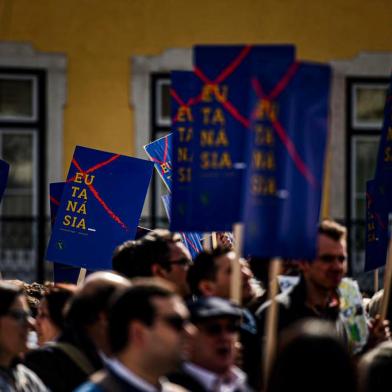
{"x": 148, "y": 329}
{"x": 316, "y": 295}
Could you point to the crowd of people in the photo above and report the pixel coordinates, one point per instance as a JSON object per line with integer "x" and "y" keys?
{"x": 161, "y": 321}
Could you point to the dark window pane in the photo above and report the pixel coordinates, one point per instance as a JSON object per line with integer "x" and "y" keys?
{"x": 16, "y": 98}
{"x": 17, "y": 151}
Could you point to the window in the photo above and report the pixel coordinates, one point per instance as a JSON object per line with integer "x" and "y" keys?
{"x": 365, "y": 104}
{"x": 22, "y": 143}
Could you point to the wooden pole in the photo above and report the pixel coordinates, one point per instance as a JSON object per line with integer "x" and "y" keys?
{"x": 387, "y": 282}
{"x": 214, "y": 240}
{"x": 376, "y": 281}
{"x": 236, "y": 278}
{"x": 271, "y": 321}
{"x": 82, "y": 276}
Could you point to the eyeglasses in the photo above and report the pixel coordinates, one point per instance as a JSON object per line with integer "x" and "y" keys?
{"x": 21, "y": 316}
{"x": 327, "y": 258}
{"x": 215, "y": 329}
{"x": 184, "y": 262}
{"x": 178, "y": 323}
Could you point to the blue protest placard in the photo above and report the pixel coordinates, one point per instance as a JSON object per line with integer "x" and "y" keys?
{"x": 377, "y": 235}
{"x": 384, "y": 159}
{"x": 286, "y": 151}
{"x": 4, "y": 171}
{"x": 100, "y": 207}
{"x": 159, "y": 151}
{"x": 61, "y": 272}
{"x": 184, "y": 96}
{"x": 191, "y": 240}
{"x": 219, "y": 124}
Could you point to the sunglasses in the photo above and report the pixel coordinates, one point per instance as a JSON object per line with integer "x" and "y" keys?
{"x": 330, "y": 258}
{"x": 21, "y": 316}
{"x": 178, "y": 323}
{"x": 215, "y": 329}
{"x": 184, "y": 262}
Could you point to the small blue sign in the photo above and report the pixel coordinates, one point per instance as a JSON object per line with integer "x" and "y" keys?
{"x": 160, "y": 152}
{"x": 100, "y": 207}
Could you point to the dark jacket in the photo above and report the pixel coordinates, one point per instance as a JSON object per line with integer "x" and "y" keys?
{"x": 108, "y": 381}
{"x": 59, "y": 370}
{"x": 292, "y": 307}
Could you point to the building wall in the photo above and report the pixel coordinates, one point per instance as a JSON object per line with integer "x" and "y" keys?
{"x": 99, "y": 37}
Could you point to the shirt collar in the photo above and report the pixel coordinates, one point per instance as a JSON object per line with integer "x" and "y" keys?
{"x": 130, "y": 377}
{"x": 235, "y": 378}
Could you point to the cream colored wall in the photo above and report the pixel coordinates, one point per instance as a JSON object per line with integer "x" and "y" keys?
{"x": 99, "y": 37}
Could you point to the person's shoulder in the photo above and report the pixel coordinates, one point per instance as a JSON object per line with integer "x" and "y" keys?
{"x": 28, "y": 379}
{"x": 170, "y": 387}
{"x": 89, "y": 386}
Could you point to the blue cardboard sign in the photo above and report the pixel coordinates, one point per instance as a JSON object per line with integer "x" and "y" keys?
{"x": 159, "y": 151}
{"x": 377, "y": 235}
{"x": 219, "y": 122}
{"x": 384, "y": 159}
{"x": 100, "y": 207}
{"x": 61, "y": 272}
{"x": 4, "y": 172}
{"x": 285, "y": 161}
{"x": 191, "y": 240}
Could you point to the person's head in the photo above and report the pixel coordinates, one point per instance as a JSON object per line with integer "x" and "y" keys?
{"x": 50, "y": 316}
{"x": 210, "y": 274}
{"x": 213, "y": 345}
{"x": 160, "y": 253}
{"x": 311, "y": 357}
{"x": 330, "y": 265}
{"x": 375, "y": 369}
{"x": 124, "y": 260}
{"x": 15, "y": 322}
{"x": 149, "y": 326}
{"x": 86, "y": 312}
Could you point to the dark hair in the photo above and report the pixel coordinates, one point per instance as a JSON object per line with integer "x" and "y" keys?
{"x": 85, "y": 306}
{"x": 8, "y": 294}
{"x": 56, "y": 299}
{"x": 135, "y": 303}
{"x": 375, "y": 369}
{"x": 333, "y": 230}
{"x": 135, "y": 258}
{"x": 311, "y": 355}
{"x": 124, "y": 259}
{"x": 204, "y": 268}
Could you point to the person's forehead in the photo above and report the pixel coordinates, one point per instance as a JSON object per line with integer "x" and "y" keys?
{"x": 224, "y": 260}
{"x": 326, "y": 244}
{"x": 178, "y": 250}
{"x": 217, "y": 320}
{"x": 170, "y": 305}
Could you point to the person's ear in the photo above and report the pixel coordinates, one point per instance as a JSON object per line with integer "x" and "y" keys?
{"x": 136, "y": 333}
{"x": 207, "y": 287}
{"x": 158, "y": 270}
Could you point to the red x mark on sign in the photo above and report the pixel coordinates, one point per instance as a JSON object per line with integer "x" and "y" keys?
{"x": 165, "y": 153}
{"x": 214, "y": 87}
{"x": 284, "y": 137}
{"x": 94, "y": 191}
{"x": 221, "y": 78}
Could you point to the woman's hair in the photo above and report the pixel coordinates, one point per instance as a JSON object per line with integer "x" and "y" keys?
{"x": 56, "y": 299}
{"x": 8, "y": 294}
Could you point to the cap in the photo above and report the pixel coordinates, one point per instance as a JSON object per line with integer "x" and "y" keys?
{"x": 208, "y": 307}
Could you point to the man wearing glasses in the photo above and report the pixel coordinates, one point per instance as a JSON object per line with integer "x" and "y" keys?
{"x": 212, "y": 349}
{"x": 148, "y": 329}
{"x": 160, "y": 253}
{"x": 316, "y": 294}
